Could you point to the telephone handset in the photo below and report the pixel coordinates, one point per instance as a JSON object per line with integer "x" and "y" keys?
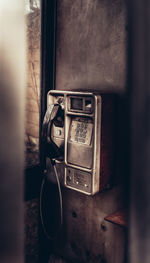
{"x": 54, "y": 117}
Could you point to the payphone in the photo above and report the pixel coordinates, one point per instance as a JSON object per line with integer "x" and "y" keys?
{"x": 72, "y": 135}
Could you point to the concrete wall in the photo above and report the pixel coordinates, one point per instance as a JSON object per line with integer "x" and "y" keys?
{"x": 91, "y": 54}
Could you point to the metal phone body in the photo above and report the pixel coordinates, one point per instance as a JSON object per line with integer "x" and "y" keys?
{"x": 81, "y": 136}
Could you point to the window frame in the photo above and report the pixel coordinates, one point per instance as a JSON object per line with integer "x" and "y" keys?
{"x": 47, "y": 82}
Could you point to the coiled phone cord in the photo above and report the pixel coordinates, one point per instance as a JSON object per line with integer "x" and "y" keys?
{"x": 60, "y": 198}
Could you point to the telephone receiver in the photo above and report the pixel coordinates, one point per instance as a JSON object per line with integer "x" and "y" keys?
{"x": 53, "y": 120}
{"x": 53, "y": 116}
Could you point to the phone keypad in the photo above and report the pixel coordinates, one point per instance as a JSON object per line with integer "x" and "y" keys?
{"x": 81, "y": 132}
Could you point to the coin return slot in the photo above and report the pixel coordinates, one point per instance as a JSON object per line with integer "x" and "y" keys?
{"x": 88, "y": 105}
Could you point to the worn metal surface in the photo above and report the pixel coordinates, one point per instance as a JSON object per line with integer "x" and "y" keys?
{"x": 85, "y": 236}
{"x": 91, "y": 45}
{"x": 91, "y": 55}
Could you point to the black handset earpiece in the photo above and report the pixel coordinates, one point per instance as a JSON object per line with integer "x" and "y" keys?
{"x": 51, "y": 149}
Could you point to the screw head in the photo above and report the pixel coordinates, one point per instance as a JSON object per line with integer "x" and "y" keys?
{"x": 103, "y": 227}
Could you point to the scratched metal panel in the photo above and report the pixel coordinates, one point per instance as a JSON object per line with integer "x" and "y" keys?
{"x": 85, "y": 236}
{"x": 91, "y": 55}
{"x": 91, "y": 45}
